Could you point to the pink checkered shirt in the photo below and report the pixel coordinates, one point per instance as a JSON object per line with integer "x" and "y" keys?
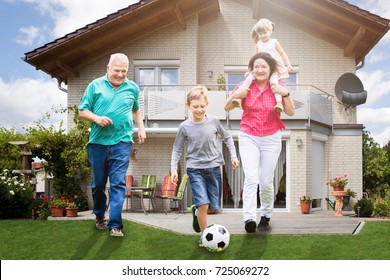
{"x": 259, "y": 117}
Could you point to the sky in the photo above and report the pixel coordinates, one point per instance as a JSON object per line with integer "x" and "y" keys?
{"x": 27, "y": 95}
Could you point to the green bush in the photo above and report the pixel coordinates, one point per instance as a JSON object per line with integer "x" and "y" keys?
{"x": 382, "y": 206}
{"x": 364, "y": 207}
{"x": 15, "y": 196}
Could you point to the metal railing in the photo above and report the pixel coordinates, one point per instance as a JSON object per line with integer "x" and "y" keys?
{"x": 166, "y": 104}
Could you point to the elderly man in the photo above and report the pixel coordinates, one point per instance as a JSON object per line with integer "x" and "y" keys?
{"x": 110, "y": 103}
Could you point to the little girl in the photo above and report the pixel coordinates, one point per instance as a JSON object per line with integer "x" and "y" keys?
{"x": 261, "y": 35}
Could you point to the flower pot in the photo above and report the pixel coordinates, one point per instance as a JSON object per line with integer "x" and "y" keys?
{"x": 71, "y": 212}
{"x": 57, "y": 211}
{"x": 338, "y": 188}
{"x": 346, "y": 199}
{"x": 305, "y": 206}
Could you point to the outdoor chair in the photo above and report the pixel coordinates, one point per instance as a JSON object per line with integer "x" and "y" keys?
{"x": 146, "y": 190}
{"x": 168, "y": 189}
{"x": 129, "y": 184}
{"x": 179, "y": 194}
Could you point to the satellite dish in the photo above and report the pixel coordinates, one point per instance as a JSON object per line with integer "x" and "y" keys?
{"x": 349, "y": 89}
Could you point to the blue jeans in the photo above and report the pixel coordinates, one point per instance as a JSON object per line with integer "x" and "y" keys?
{"x": 206, "y": 186}
{"x": 109, "y": 162}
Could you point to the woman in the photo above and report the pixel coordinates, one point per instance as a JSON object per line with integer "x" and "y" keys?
{"x": 260, "y": 138}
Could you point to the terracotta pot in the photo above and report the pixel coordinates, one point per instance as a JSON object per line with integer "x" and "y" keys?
{"x": 57, "y": 211}
{"x": 71, "y": 212}
{"x": 338, "y": 188}
{"x": 305, "y": 206}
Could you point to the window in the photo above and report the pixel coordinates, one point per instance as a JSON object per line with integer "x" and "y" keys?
{"x": 235, "y": 74}
{"x": 164, "y": 74}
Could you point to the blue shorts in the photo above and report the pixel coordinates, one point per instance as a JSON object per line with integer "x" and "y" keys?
{"x": 206, "y": 186}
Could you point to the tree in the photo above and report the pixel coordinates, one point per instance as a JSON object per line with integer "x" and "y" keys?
{"x": 376, "y": 166}
{"x": 65, "y": 157}
{"x": 10, "y": 154}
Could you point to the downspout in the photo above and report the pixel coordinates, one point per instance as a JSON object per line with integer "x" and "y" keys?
{"x": 59, "y": 82}
{"x": 361, "y": 65}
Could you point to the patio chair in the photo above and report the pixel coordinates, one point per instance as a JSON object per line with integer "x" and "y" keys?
{"x": 179, "y": 195}
{"x": 129, "y": 184}
{"x": 146, "y": 190}
{"x": 168, "y": 189}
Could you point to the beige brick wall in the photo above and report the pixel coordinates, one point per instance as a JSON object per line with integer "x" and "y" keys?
{"x": 300, "y": 167}
{"x": 346, "y": 157}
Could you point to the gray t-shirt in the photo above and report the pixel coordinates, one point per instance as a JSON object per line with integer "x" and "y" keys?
{"x": 204, "y": 144}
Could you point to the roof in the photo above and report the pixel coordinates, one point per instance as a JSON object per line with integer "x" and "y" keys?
{"x": 355, "y": 30}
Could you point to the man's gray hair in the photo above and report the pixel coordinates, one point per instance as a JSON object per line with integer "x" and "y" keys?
{"x": 118, "y": 57}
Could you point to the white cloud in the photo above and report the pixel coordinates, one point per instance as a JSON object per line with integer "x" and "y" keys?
{"x": 31, "y": 35}
{"x": 25, "y": 101}
{"x": 378, "y": 120}
{"x": 380, "y": 116}
{"x": 378, "y": 7}
{"x": 70, "y": 15}
{"x": 376, "y": 57}
{"x": 382, "y": 138}
{"x": 376, "y": 83}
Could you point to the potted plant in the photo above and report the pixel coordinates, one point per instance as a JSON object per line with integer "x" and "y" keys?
{"x": 347, "y": 197}
{"x": 305, "y": 203}
{"x": 338, "y": 183}
{"x": 57, "y": 207}
{"x": 71, "y": 209}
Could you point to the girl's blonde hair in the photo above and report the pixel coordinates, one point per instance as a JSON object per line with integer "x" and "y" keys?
{"x": 260, "y": 27}
{"x": 196, "y": 93}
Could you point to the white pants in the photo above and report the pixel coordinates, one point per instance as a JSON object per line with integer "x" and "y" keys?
{"x": 259, "y": 156}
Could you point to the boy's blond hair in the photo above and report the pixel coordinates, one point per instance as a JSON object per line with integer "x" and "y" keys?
{"x": 196, "y": 93}
{"x": 261, "y": 26}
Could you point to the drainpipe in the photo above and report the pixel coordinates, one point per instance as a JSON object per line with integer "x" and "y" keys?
{"x": 59, "y": 82}
{"x": 361, "y": 65}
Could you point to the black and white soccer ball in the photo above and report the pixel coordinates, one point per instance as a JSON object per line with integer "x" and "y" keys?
{"x": 216, "y": 238}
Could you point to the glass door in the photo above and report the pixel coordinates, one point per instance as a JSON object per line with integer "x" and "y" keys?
{"x": 233, "y": 182}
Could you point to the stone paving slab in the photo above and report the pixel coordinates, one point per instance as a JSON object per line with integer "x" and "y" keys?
{"x": 319, "y": 222}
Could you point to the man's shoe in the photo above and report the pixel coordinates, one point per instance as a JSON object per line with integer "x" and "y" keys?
{"x": 116, "y": 232}
{"x": 250, "y": 226}
{"x": 264, "y": 224}
{"x": 195, "y": 223}
{"x": 101, "y": 223}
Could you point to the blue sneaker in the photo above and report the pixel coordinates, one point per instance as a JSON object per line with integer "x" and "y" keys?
{"x": 195, "y": 223}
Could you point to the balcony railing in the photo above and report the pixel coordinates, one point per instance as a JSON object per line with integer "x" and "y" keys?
{"x": 165, "y": 106}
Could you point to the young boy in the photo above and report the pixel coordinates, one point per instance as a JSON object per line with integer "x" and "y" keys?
{"x": 204, "y": 157}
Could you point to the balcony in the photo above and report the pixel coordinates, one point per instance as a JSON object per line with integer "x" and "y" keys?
{"x": 164, "y": 108}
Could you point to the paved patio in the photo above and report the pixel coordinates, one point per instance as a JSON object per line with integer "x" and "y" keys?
{"x": 319, "y": 222}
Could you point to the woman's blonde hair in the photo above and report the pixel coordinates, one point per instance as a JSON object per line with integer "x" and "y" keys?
{"x": 196, "y": 93}
{"x": 260, "y": 27}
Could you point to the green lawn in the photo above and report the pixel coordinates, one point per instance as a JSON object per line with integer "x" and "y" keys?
{"x": 79, "y": 240}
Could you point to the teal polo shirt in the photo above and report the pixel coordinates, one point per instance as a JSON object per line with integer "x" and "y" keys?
{"x": 103, "y": 100}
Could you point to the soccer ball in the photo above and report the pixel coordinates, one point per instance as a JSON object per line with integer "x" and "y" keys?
{"x": 216, "y": 238}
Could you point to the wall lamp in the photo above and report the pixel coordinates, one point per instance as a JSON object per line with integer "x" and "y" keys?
{"x": 210, "y": 73}
{"x": 299, "y": 142}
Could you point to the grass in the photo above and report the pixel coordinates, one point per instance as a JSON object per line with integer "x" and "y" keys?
{"x": 79, "y": 240}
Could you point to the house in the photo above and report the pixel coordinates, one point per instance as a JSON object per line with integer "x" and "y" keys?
{"x": 175, "y": 44}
